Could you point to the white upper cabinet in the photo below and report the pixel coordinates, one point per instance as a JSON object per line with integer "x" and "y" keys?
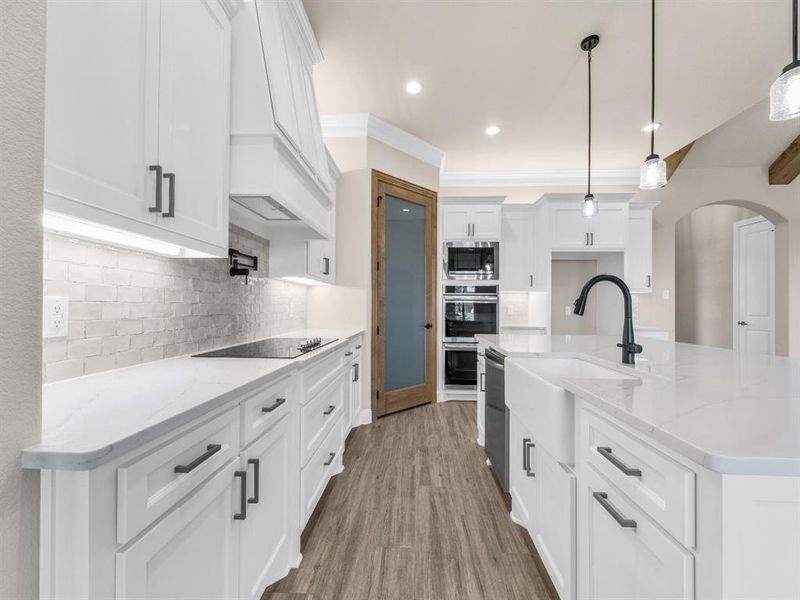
{"x": 607, "y": 230}
{"x": 518, "y": 273}
{"x": 477, "y": 220}
{"x": 132, "y": 85}
{"x": 639, "y": 257}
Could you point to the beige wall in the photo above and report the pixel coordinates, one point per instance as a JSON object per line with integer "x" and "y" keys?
{"x": 22, "y": 43}
{"x": 690, "y": 189}
{"x": 568, "y": 277}
{"x": 348, "y": 303}
{"x": 704, "y": 291}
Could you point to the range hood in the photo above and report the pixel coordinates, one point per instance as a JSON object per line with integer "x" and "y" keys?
{"x": 273, "y": 191}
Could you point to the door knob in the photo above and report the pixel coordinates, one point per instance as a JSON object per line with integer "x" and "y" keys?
{"x": 428, "y": 325}
{"x": 742, "y": 323}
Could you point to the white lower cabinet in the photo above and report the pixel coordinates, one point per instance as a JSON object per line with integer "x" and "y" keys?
{"x": 190, "y": 554}
{"x": 625, "y": 555}
{"x": 267, "y": 544}
{"x": 522, "y": 482}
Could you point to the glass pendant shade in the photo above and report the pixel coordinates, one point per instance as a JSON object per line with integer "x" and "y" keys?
{"x": 653, "y": 174}
{"x": 784, "y": 95}
{"x": 589, "y": 206}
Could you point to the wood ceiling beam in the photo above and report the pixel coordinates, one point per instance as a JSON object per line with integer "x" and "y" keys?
{"x": 675, "y": 159}
{"x": 787, "y": 166}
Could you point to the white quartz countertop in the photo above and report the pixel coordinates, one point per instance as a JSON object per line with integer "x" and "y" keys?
{"x": 89, "y": 420}
{"x": 732, "y": 413}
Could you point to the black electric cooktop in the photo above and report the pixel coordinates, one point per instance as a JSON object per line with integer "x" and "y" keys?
{"x": 280, "y": 347}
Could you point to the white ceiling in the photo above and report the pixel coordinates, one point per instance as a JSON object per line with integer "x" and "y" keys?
{"x": 517, "y": 64}
{"x": 747, "y": 140}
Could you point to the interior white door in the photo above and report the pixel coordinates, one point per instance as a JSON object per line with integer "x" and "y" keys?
{"x": 192, "y": 553}
{"x": 194, "y": 119}
{"x": 270, "y": 534}
{"x": 754, "y": 286}
{"x": 101, "y": 133}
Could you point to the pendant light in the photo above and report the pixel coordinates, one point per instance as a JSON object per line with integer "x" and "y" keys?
{"x": 653, "y": 174}
{"x": 589, "y": 203}
{"x": 784, "y": 95}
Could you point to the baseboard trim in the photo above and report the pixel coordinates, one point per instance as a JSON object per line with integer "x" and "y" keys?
{"x": 365, "y": 416}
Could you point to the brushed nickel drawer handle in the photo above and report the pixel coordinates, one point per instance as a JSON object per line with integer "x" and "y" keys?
{"x": 277, "y": 403}
{"x": 211, "y": 450}
{"x": 331, "y": 456}
{"x": 602, "y": 498}
{"x": 629, "y": 471}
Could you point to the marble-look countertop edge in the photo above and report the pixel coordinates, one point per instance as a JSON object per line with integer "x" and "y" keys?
{"x": 721, "y": 464}
{"x": 44, "y": 457}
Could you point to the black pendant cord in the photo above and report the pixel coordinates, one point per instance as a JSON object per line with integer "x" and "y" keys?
{"x": 653, "y": 78}
{"x": 589, "y": 177}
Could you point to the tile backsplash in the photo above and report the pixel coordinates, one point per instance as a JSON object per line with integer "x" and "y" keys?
{"x": 126, "y": 307}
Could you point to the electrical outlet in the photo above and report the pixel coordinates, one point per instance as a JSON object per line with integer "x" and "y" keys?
{"x": 55, "y": 316}
{"x": 510, "y": 309}
{"x": 665, "y": 294}
{"x": 568, "y": 309}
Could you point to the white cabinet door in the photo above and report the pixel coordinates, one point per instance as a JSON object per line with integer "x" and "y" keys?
{"x": 194, "y": 126}
{"x": 634, "y": 562}
{"x": 321, "y": 260}
{"x": 485, "y": 222}
{"x": 481, "y": 404}
{"x": 270, "y": 535}
{"x": 522, "y": 475}
{"x": 639, "y": 253}
{"x": 518, "y": 272}
{"x": 609, "y": 228}
{"x": 192, "y": 553}
{"x": 554, "y": 534}
{"x": 101, "y": 114}
{"x": 570, "y": 228}
{"x": 456, "y": 224}
{"x": 355, "y": 389}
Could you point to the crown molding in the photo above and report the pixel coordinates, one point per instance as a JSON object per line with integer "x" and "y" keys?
{"x": 368, "y": 125}
{"x": 537, "y": 178}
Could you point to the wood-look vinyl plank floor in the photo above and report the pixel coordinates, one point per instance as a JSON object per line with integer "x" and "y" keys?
{"x": 416, "y": 515}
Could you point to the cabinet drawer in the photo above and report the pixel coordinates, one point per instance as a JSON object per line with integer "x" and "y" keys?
{"x": 324, "y": 463}
{"x": 627, "y": 556}
{"x": 661, "y": 487}
{"x": 150, "y": 485}
{"x": 320, "y": 413}
{"x": 265, "y": 407}
{"x": 317, "y": 375}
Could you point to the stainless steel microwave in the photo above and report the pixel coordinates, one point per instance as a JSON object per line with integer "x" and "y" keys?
{"x": 476, "y": 261}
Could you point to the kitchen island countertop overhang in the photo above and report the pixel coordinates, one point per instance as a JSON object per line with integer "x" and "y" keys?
{"x": 735, "y": 414}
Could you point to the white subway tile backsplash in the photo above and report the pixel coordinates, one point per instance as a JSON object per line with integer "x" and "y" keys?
{"x": 128, "y": 307}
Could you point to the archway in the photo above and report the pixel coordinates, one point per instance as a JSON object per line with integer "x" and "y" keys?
{"x": 705, "y": 282}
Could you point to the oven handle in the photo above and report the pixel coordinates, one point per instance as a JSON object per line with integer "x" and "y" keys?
{"x": 460, "y": 346}
{"x": 476, "y": 299}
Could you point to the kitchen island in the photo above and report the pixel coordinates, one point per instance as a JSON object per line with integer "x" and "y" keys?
{"x": 678, "y": 477}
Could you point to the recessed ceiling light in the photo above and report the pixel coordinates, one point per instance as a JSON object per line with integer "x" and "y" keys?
{"x": 651, "y": 127}
{"x": 492, "y": 130}
{"x": 413, "y": 87}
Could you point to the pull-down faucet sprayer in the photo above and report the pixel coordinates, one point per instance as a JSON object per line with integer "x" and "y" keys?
{"x": 629, "y": 348}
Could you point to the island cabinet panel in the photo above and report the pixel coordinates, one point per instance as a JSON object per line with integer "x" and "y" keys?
{"x": 661, "y": 487}
{"x": 625, "y": 555}
{"x": 191, "y": 553}
{"x": 152, "y": 483}
{"x": 267, "y": 544}
{"x": 522, "y": 480}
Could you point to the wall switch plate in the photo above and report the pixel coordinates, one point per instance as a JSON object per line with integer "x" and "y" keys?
{"x": 509, "y": 309}
{"x": 568, "y": 310}
{"x": 55, "y": 316}
{"x": 665, "y": 294}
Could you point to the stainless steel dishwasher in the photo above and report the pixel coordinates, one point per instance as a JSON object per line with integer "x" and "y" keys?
{"x": 496, "y": 416}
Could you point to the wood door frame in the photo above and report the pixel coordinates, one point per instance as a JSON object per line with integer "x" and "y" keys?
{"x": 738, "y": 226}
{"x": 383, "y": 183}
